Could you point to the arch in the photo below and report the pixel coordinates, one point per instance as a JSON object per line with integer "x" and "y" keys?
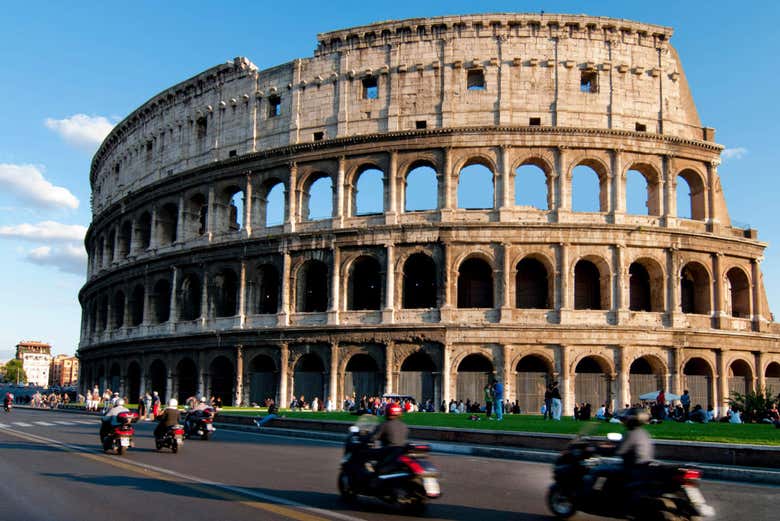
{"x": 133, "y": 382}
{"x": 591, "y": 284}
{"x": 102, "y": 313}
{"x": 362, "y": 377}
{"x": 196, "y": 215}
{"x": 475, "y": 284}
{"x": 308, "y": 377}
{"x": 533, "y": 373}
{"x": 225, "y": 293}
{"x": 474, "y": 372}
{"x": 639, "y": 288}
{"x": 118, "y": 310}
{"x": 365, "y": 284}
{"x": 312, "y": 287}
{"x": 268, "y": 289}
{"x": 416, "y": 377}
{"x": 421, "y": 187}
{"x": 532, "y": 285}
{"x": 697, "y": 380}
{"x": 740, "y": 377}
{"x": 476, "y": 186}
{"x": 114, "y": 377}
{"x": 695, "y": 289}
{"x": 190, "y": 297}
{"x": 694, "y": 201}
{"x": 317, "y": 197}
{"x": 110, "y": 240}
{"x": 137, "y": 305}
{"x": 230, "y": 209}
{"x": 738, "y": 293}
{"x": 274, "y": 204}
{"x": 772, "y": 378}
{"x": 144, "y": 231}
{"x": 643, "y": 190}
{"x": 158, "y": 378}
{"x": 368, "y": 191}
{"x": 263, "y": 376}
{"x": 592, "y": 382}
{"x": 645, "y": 375}
{"x": 167, "y": 224}
{"x": 99, "y": 246}
{"x": 161, "y": 301}
{"x": 125, "y": 239}
{"x": 589, "y": 187}
{"x": 186, "y": 379}
{"x": 222, "y": 379}
{"x": 532, "y": 185}
{"x": 419, "y": 284}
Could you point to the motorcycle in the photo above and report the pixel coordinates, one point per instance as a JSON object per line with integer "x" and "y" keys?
{"x": 409, "y": 481}
{"x": 200, "y": 423}
{"x": 120, "y": 436}
{"x": 172, "y": 438}
{"x": 584, "y": 480}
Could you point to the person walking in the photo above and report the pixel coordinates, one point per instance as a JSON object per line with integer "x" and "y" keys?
{"x": 556, "y": 402}
{"x": 498, "y": 399}
{"x": 147, "y": 405}
{"x": 685, "y": 401}
{"x": 488, "y": 401}
{"x": 548, "y": 402}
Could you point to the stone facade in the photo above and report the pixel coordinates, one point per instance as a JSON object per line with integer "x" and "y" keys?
{"x": 192, "y": 288}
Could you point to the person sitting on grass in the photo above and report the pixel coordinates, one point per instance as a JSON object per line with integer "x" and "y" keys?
{"x": 698, "y": 414}
{"x": 273, "y": 413}
{"x": 734, "y": 415}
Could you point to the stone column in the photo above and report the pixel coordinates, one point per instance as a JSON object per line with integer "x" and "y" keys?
{"x": 446, "y": 200}
{"x": 618, "y": 203}
{"x": 333, "y": 389}
{"x": 389, "y": 360}
{"x": 712, "y": 215}
{"x": 238, "y": 396}
{"x": 673, "y": 274}
{"x": 722, "y": 397}
{"x": 566, "y": 386}
{"x": 719, "y": 297}
{"x": 211, "y": 218}
{"x": 388, "y": 315}
{"x": 506, "y": 194}
{"x": 153, "y": 239}
{"x": 202, "y": 374}
{"x": 564, "y": 271}
{"x": 174, "y": 304}
{"x": 168, "y": 381}
{"x": 621, "y": 302}
{"x": 180, "y": 220}
{"x": 338, "y": 194}
{"x": 624, "y": 384}
{"x": 505, "y": 370}
{"x": 760, "y": 373}
{"x": 142, "y": 383}
{"x": 669, "y": 195}
{"x": 242, "y": 295}
{"x": 248, "y": 204}
{"x": 759, "y": 322}
{"x": 335, "y": 282}
{"x": 205, "y": 312}
{"x": 291, "y": 211}
{"x": 564, "y": 182}
{"x": 446, "y": 374}
{"x": 285, "y": 311}
{"x": 506, "y": 282}
{"x": 284, "y": 361}
{"x": 677, "y": 370}
{"x": 391, "y": 206}
{"x": 447, "y": 282}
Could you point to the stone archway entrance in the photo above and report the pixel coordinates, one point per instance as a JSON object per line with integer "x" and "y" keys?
{"x": 592, "y": 384}
{"x": 133, "y": 382}
{"x": 159, "y": 379}
{"x": 474, "y": 372}
{"x": 222, "y": 379}
{"x": 698, "y": 381}
{"x": 531, "y": 380}
{"x": 187, "y": 379}
{"x": 362, "y": 377}
{"x": 308, "y": 377}
{"x": 417, "y": 377}
{"x": 262, "y": 379}
{"x": 643, "y": 378}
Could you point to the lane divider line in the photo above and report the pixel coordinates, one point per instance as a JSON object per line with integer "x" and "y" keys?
{"x": 275, "y": 504}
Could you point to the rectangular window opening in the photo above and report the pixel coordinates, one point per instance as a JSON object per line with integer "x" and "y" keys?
{"x": 319, "y": 136}
{"x": 589, "y": 81}
{"x": 641, "y": 127}
{"x": 421, "y": 124}
{"x": 534, "y": 122}
{"x": 475, "y": 79}
{"x": 370, "y": 88}
{"x": 274, "y": 106}
{"x": 232, "y": 153}
{"x": 201, "y": 127}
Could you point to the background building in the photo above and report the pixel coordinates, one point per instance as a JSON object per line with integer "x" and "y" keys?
{"x": 36, "y": 361}
{"x": 64, "y": 371}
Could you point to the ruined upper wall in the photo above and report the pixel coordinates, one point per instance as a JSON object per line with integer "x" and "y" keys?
{"x": 532, "y": 68}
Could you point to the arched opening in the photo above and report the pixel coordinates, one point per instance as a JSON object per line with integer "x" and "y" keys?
{"x": 222, "y": 379}
{"x": 308, "y": 377}
{"x": 475, "y": 187}
{"x": 133, "y": 382}
{"x": 114, "y": 378}
{"x": 698, "y": 381}
{"x": 101, "y": 375}
{"x": 137, "y": 306}
{"x": 531, "y": 187}
{"x": 740, "y": 377}
{"x": 531, "y": 285}
{"x": 588, "y": 189}
{"x": 158, "y": 379}
{"x": 318, "y": 199}
{"x": 691, "y": 196}
{"x": 118, "y": 310}
{"x": 475, "y": 284}
{"x": 695, "y": 289}
{"x": 365, "y": 284}
{"x": 167, "y": 222}
{"x": 772, "y": 378}
{"x": 225, "y": 293}
{"x": 125, "y": 236}
{"x": 644, "y": 376}
{"x": 475, "y": 371}
{"x": 312, "y": 287}
{"x": 267, "y": 289}
{"x": 587, "y": 286}
{"x": 230, "y": 206}
{"x": 186, "y": 379}
{"x": 144, "y": 231}
{"x": 419, "y": 286}
{"x": 190, "y": 299}
{"x": 102, "y": 313}
{"x": 738, "y": 293}
{"x": 262, "y": 379}
{"x": 368, "y": 192}
{"x": 196, "y": 216}
{"x": 99, "y": 253}
{"x": 362, "y": 377}
{"x": 422, "y": 189}
{"x": 591, "y": 382}
{"x": 110, "y": 240}
{"x": 161, "y": 301}
{"x": 637, "y": 193}
{"x": 416, "y": 377}
{"x": 274, "y": 205}
{"x": 531, "y": 380}
{"x": 639, "y": 288}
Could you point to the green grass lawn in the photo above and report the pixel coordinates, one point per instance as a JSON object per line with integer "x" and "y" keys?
{"x": 759, "y": 434}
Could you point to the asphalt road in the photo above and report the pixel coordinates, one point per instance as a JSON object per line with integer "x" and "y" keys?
{"x": 52, "y": 468}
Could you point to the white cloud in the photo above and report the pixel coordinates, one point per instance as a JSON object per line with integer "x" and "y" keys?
{"x": 80, "y": 130}
{"x": 734, "y": 153}
{"x": 68, "y": 258}
{"x": 45, "y": 231}
{"x": 27, "y": 182}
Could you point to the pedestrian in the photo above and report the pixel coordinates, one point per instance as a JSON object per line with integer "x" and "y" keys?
{"x": 685, "y": 401}
{"x": 556, "y": 402}
{"x": 141, "y": 408}
{"x": 548, "y": 402}
{"x": 498, "y": 399}
{"x": 147, "y": 405}
{"x": 155, "y": 404}
{"x": 488, "y": 401}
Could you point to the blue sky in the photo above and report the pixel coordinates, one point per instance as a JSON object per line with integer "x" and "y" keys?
{"x": 70, "y": 70}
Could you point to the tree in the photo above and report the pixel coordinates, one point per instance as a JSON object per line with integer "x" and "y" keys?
{"x": 14, "y": 372}
{"x": 753, "y": 405}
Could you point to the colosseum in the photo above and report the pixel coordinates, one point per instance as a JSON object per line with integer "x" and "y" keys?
{"x": 420, "y": 206}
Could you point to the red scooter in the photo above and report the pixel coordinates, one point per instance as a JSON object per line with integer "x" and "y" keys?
{"x": 120, "y": 436}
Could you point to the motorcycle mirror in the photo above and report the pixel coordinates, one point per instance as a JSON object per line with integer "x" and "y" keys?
{"x": 354, "y": 429}
{"x": 614, "y": 436}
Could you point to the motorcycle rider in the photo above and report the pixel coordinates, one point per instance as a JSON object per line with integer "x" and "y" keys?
{"x": 110, "y": 419}
{"x": 196, "y": 411}
{"x": 169, "y": 417}
{"x": 7, "y": 400}
{"x": 393, "y": 434}
{"x": 636, "y": 449}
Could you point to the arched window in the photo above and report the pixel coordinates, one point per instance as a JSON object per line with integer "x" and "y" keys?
{"x": 368, "y": 195}
{"x": 226, "y": 293}
{"x": 267, "y": 289}
{"x": 695, "y": 289}
{"x": 118, "y": 310}
{"x": 167, "y": 222}
{"x": 475, "y": 187}
{"x": 644, "y": 376}
{"x": 691, "y": 196}
{"x": 196, "y": 216}
{"x": 318, "y": 199}
{"x": 144, "y": 231}
{"x": 474, "y": 372}
{"x": 187, "y": 376}
{"x": 531, "y": 285}
{"x": 312, "y": 287}
{"x": 637, "y": 193}
{"x": 588, "y": 190}
{"x": 362, "y": 377}
{"x": 591, "y": 382}
{"x": 137, "y": 306}
{"x": 419, "y": 285}
{"x": 222, "y": 379}
{"x": 531, "y": 187}
{"x": 308, "y": 377}
{"x": 161, "y": 301}
{"x": 475, "y": 284}
{"x": 110, "y": 247}
{"x": 697, "y": 378}
{"x": 125, "y": 236}
{"x": 740, "y": 377}
{"x": 531, "y": 381}
{"x": 230, "y": 217}
{"x": 274, "y": 205}
{"x": 190, "y": 297}
{"x": 365, "y": 284}
{"x": 738, "y": 293}
{"x": 158, "y": 379}
{"x": 772, "y": 376}
{"x": 101, "y": 242}
{"x": 639, "y": 288}
{"x": 262, "y": 379}
{"x": 102, "y": 314}
{"x": 421, "y": 189}
{"x": 587, "y": 286}
{"x": 416, "y": 377}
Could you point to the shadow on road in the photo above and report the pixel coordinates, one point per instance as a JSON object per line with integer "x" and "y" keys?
{"x": 27, "y": 446}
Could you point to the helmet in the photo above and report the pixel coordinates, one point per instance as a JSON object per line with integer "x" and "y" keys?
{"x": 393, "y": 410}
{"x": 120, "y": 402}
{"x": 202, "y": 399}
{"x": 173, "y": 402}
{"x": 634, "y": 417}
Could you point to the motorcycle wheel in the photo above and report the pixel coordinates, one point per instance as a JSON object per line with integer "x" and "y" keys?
{"x": 205, "y": 436}
{"x": 661, "y": 509}
{"x": 121, "y": 450}
{"x": 175, "y": 446}
{"x": 560, "y": 503}
{"x": 345, "y": 487}
{"x": 158, "y": 444}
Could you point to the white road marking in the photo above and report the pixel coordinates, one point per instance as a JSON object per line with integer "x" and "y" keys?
{"x": 64, "y": 423}
{"x": 45, "y": 424}
{"x": 3, "y": 426}
{"x": 22, "y": 424}
{"x": 86, "y": 422}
